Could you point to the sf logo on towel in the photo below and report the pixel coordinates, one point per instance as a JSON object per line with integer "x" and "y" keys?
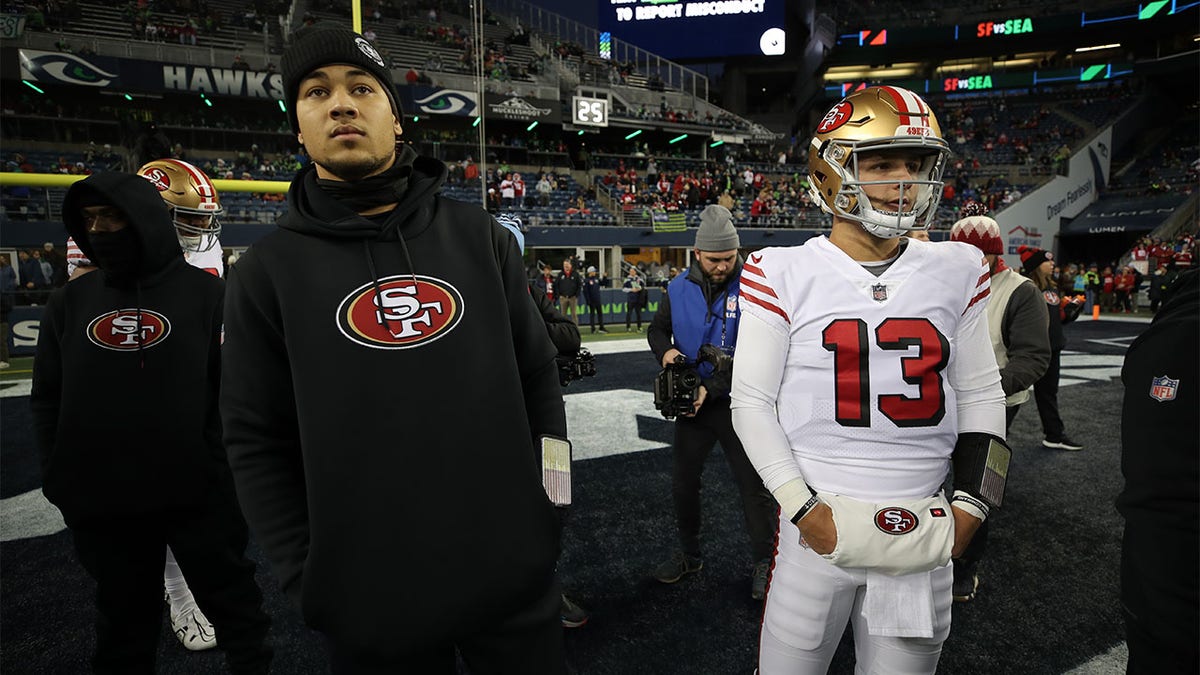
{"x": 895, "y": 520}
{"x": 401, "y": 313}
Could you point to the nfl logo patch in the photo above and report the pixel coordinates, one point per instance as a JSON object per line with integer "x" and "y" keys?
{"x": 937, "y": 512}
{"x": 1163, "y": 388}
{"x": 879, "y": 292}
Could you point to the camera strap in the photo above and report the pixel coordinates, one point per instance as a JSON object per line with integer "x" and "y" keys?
{"x": 556, "y": 469}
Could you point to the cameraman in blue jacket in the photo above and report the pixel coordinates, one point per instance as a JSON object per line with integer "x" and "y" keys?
{"x": 699, "y": 308}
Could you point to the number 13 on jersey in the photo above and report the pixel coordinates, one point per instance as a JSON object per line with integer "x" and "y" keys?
{"x": 848, "y": 339}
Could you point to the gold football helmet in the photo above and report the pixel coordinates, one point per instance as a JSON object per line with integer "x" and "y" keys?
{"x": 192, "y": 199}
{"x": 869, "y": 121}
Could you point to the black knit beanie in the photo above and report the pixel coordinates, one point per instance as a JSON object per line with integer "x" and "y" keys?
{"x": 324, "y": 44}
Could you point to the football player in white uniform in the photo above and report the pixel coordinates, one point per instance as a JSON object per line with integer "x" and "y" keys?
{"x": 865, "y": 370}
{"x": 195, "y": 209}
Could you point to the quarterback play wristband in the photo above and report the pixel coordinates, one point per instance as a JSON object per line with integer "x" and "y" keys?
{"x": 981, "y": 468}
{"x": 556, "y": 469}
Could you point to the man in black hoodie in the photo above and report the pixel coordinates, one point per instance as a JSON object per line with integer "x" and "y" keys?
{"x": 385, "y": 419}
{"x": 124, "y": 404}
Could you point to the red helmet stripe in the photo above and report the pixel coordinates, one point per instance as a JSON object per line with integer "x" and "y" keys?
{"x": 911, "y": 108}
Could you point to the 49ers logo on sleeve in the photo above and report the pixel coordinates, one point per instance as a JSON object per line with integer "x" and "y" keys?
{"x": 119, "y": 330}
{"x": 895, "y": 520}
{"x": 404, "y": 314}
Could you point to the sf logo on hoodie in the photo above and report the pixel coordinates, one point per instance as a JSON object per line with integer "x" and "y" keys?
{"x": 402, "y": 312}
{"x": 123, "y": 330}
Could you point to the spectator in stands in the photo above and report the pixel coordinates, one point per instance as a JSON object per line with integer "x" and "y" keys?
{"x": 238, "y": 64}
{"x": 1108, "y": 282}
{"x": 544, "y": 188}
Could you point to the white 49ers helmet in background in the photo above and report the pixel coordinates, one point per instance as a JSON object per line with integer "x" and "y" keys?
{"x": 194, "y": 202}
{"x": 871, "y": 120}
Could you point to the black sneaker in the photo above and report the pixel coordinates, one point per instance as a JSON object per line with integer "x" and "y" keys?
{"x": 966, "y": 582}
{"x": 676, "y": 566}
{"x": 573, "y": 616}
{"x": 1063, "y": 443}
{"x": 758, "y": 582}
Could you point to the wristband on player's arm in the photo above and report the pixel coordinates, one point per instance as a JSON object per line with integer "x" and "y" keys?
{"x": 795, "y": 497}
{"x": 980, "y": 472}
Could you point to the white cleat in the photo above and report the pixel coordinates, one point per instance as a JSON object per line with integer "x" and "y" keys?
{"x": 193, "y": 629}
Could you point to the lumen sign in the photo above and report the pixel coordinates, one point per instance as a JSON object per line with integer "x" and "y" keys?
{"x": 1009, "y": 27}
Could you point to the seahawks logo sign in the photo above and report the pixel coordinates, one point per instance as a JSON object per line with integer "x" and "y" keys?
{"x": 64, "y": 68}
{"x": 123, "y": 330}
{"x": 400, "y": 312}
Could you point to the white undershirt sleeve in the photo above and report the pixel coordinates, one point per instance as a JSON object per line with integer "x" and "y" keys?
{"x": 761, "y": 355}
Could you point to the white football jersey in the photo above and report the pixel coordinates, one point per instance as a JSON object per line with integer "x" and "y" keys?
{"x": 210, "y": 261}
{"x": 881, "y": 373}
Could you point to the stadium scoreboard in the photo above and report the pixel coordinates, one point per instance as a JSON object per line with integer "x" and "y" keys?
{"x": 689, "y": 29}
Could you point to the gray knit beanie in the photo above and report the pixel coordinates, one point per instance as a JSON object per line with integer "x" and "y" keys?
{"x": 325, "y": 44}
{"x": 716, "y": 231}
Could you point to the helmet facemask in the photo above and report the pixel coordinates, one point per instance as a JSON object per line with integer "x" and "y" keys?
{"x": 197, "y": 231}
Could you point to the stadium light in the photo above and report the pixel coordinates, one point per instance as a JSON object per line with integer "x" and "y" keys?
{"x": 716, "y": 143}
{"x": 206, "y": 101}
{"x": 531, "y": 126}
{"x": 128, "y": 97}
{"x": 1097, "y": 47}
{"x": 635, "y": 133}
{"x": 32, "y": 86}
{"x": 282, "y": 106}
{"x": 580, "y": 133}
{"x": 677, "y": 139}
{"x": 476, "y": 122}
{"x": 416, "y": 118}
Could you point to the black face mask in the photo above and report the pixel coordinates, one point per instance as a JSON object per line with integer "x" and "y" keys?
{"x": 118, "y": 253}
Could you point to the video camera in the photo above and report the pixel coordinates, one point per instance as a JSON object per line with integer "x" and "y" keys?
{"x": 677, "y": 385}
{"x": 582, "y": 365}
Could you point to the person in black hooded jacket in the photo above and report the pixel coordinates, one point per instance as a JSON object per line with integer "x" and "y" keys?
{"x": 389, "y": 391}
{"x": 124, "y": 404}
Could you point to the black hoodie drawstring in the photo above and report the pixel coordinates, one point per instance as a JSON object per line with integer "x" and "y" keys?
{"x": 141, "y": 353}
{"x": 412, "y": 270}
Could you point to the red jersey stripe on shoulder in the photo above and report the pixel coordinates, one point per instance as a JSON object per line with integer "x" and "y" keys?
{"x": 763, "y": 288}
{"x": 986, "y": 276}
{"x": 765, "y": 304}
{"x": 981, "y": 295}
{"x": 753, "y": 269}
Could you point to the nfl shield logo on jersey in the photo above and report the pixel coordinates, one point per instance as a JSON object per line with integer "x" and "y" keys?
{"x": 1163, "y": 388}
{"x": 879, "y": 292}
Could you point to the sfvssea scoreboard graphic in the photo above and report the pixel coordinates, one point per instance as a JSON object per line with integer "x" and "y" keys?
{"x": 692, "y": 29}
